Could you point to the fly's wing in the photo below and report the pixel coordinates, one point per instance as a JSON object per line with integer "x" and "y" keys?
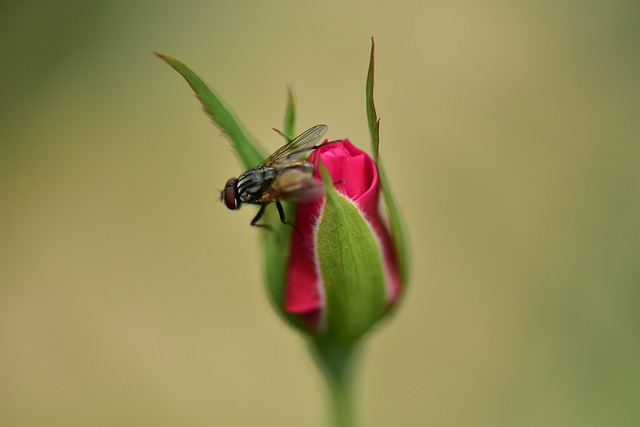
{"x": 297, "y": 185}
{"x": 298, "y": 146}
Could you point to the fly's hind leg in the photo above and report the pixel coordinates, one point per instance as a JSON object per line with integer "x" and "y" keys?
{"x": 284, "y": 220}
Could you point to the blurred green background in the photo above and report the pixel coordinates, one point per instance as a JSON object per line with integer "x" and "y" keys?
{"x": 129, "y": 296}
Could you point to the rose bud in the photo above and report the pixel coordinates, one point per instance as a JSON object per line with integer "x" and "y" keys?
{"x": 343, "y": 270}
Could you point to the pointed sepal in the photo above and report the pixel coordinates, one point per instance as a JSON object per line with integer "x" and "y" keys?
{"x": 351, "y": 267}
{"x": 395, "y": 220}
{"x": 245, "y": 145}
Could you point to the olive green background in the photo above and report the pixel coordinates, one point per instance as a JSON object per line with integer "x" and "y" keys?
{"x": 129, "y": 296}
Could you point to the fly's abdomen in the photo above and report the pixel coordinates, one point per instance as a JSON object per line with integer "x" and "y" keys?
{"x": 253, "y": 183}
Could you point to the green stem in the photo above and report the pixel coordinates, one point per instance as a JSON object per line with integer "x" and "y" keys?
{"x": 337, "y": 363}
{"x": 341, "y": 403}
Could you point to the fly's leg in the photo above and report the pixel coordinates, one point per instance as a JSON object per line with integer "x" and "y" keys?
{"x": 281, "y": 213}
{"x": 254, "y": 221}
{"x": 284, "y": 220}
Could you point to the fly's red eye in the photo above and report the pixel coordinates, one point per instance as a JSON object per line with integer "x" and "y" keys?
{"x": 229, "y": 194}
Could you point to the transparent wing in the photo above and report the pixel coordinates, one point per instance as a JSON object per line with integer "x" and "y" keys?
{"x": 298, "y": 146}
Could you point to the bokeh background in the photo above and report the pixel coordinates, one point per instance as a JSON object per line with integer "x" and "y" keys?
{"x": 129, "y": 296}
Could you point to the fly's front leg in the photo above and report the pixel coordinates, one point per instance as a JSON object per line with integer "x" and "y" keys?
{"x": 255, "y": 220}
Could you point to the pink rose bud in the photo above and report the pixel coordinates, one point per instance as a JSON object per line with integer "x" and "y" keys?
{"x": 342, "y": 271}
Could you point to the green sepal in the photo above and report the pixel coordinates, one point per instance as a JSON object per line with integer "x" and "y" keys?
{"x": 395, "y": 220}
{"x": 275, "y": 250}
{"x": 245, "y": 145}
{"x": 351, "y": 268}
{"x": 372, "y": 116}
{"x": 290, "y": 115}
{"x": 275, "y": 242}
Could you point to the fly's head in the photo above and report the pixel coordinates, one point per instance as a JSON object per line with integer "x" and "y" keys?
{"x": 230, "y": 194}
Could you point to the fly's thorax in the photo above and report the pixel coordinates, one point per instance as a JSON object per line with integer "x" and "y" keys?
{"x": 253, "y": 183}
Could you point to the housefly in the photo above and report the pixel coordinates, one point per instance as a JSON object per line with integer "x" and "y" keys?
{"x": 284, "y": 175}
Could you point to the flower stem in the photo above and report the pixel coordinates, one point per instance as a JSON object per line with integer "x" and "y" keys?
{"x": 337, "y": 363}
{"x": 341, "y": 403}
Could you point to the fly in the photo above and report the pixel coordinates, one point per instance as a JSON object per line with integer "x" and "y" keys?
{"x": 284, "y": 175}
